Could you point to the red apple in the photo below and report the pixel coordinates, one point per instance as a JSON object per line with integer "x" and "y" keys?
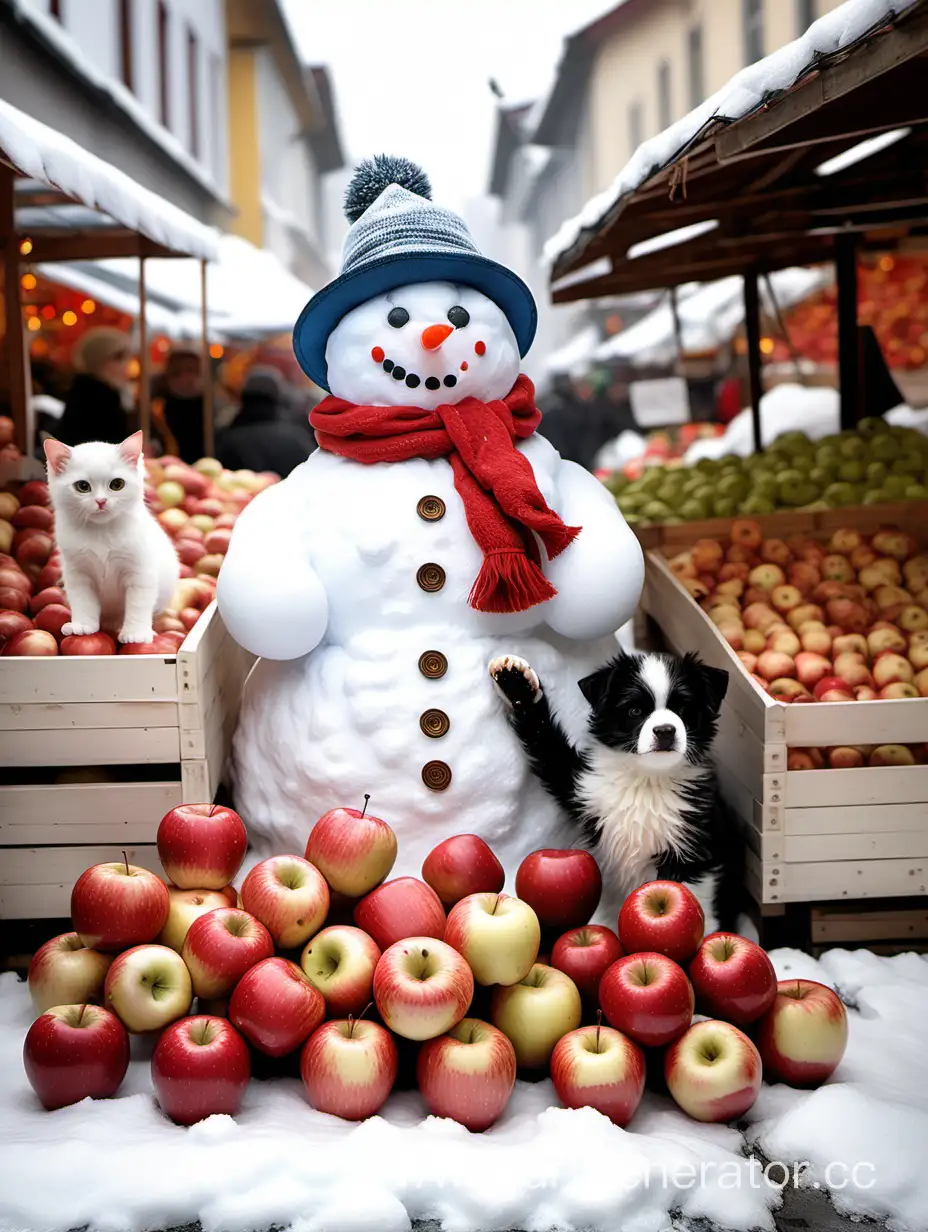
{"x": 353, "y": 850}
{"x": 35, "y": 492}
{"x": 115, "y": 906}
{"x": 201, "y": 846}
{"x": 462, "y": 865}
{"x": 33, "y": 549}
{"x": 161, "y": 645}
{"x": 276, "y": 1007}
{"x": 148, "y": 987}
{"x": 88, "y": 644}
{"x": 75, "y": 1051}
{"x": 648, "y": 997}
{"x": 51, "y": 594}
{"x": 290, "y": 898}
{"x": 341, "y": 961}
{"x": 599, "y": 1067}
{"x": 52, "y": 619}
{"x": 732, "y": 978}
{"x": 50, "y": 573}
{"x": 221, "y": 946}
{"x": 348, "y": 1068}
{"x": 65, "y": 972}
{"x": 31, "y": 643}
{"x": 802, "y": 1037}
{"x": 200, "y": 1068}
{"x": 422, "y": 987}
{"x": 404, "y": 907}
{"x": 562, "y": 887}
{"x": 584, "y": 954}
{"x": 11, "y": 623}
{"x": 663, "y": 917}
{"x": 713, "y": 1072}
{"x": 467, "y": 1075}
{"x": 186, "y": 906}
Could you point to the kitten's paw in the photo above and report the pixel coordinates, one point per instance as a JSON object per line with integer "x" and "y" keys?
{"x": 74, "y": 628}
{"x": 136, "y": 633}
{"x": 515, "y": 680}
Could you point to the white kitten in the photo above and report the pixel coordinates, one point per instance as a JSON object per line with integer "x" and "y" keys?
{"x": 119, "y": 566}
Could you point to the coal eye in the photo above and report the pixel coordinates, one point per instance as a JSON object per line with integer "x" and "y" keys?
{"x": 458, "y": 316}
{"x": 117, "y": 485}
{"x": 82, "y": 486}
{"x": 397, "y": 317}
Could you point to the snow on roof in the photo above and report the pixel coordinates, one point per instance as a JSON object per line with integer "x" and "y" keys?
{"x": 249, "y": 291}
{"x": 745, "y": 92}
{"x": 159, "y": 316}
{"x": 709, "y": 316}
{"x": 45, "y": 155}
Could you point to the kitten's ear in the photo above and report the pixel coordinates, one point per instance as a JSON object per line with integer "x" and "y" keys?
{"x": 57, "y": 454}
{"x": 131, "y": 447}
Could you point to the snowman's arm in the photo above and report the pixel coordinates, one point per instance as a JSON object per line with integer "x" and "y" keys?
{"x": 599, "y": 577}
{"x": 270, "y": 597}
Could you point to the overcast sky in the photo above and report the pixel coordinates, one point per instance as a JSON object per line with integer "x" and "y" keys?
{"x": 411, "y": 76}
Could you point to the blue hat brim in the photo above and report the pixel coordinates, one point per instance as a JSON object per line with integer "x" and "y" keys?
{"x": 350, "y": 290}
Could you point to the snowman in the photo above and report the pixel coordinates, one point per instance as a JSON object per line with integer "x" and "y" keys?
{"x": 432, "y": 530}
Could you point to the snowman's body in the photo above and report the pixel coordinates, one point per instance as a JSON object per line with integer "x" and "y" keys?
{"x": 356, "y": 578}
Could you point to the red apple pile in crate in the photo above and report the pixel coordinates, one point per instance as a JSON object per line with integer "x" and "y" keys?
{"x": 811, "y": 622}
{"x": 211, "y": 973}
{"x": 197, "y": 507}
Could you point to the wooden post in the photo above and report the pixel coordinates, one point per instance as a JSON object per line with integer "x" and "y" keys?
{"x": 17, "y": 356}
{"x": 677, "y": 329}
{"x": 752, "y": 329}
{"x": 848, "y": 334}
{"x": 209, "y": 426}
{"x": 144, "y": 365}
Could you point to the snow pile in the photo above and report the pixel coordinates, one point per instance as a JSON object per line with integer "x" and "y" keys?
{"x": 744, "y": 93}
{"x": 51, "y": 158}
{"x": 119, "y": 1164}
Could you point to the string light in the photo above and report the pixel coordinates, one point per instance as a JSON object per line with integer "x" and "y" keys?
{"x": 217, "y": 351}
{"x": 28, "y": 282}
{"x": 766, "y": 346}
{"x": 25, "y": 247}
{"x": 33, "y": 324}
{"x": 31, "y": 310}
{"x": 48, "y": 312}
{"x": 887, "y": 264}
{"x": 88, "y": 307}
{"x": 134, "y": 368}
{"x": 69, "y": 318}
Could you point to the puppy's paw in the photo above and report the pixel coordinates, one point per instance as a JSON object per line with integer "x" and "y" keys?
{"x": 515, "y": 680}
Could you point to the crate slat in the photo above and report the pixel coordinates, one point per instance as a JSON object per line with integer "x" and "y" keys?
{"x": 860, "y": 786}
{"x": 852, "y": 879}
{"x": 803, "y": 848}
{"x": 27, "y": 866}
{"x": 855, "y": 819}
{"x": 90, "y": 747}
{"x": 833, "y": 926}
{"x": 901, "y": 721}
{"x": 57, "y": 716}
{"x": 60, "y": 814}
{"x": 89, "y": 678}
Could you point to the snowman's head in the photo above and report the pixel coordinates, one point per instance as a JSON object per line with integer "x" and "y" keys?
{"x": 423, "y": 345}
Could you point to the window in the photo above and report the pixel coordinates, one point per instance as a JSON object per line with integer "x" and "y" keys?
{"x": 164, "y": 66}
{"x": 216, "y": 119}
{"x": 125, "y": 42}
{"x": 664, "y": 104}
{"x": 635, "y": 135}
{"x": 805, "y": 15}
{"x": 193, "y": 91}
{"x": 752, "y": 23}
{"x": 694, "y": 56}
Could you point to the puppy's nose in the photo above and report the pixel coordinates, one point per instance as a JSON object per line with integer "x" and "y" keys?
{"x": 665, "y": 736}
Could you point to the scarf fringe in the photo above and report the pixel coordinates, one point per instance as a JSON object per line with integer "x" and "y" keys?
{"x": 557, "y": 537}
{"x": 509, "y": 582}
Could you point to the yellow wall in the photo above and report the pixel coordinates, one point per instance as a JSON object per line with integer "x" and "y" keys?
{"x": 244, "y": 146}
{"x": 625, "y": 68}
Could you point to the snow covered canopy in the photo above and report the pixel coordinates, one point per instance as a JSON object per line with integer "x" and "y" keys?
{"x": 71, "y": 203}
{"x": 750, "y": 180}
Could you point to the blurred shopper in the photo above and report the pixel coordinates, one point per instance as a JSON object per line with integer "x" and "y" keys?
{"x": 262, "y": 437}
{"x": 98, "y": 403}
{"x": 179, "y": 415}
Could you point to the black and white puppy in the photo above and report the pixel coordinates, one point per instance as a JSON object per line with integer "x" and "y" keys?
{"x": 643, "y": 793}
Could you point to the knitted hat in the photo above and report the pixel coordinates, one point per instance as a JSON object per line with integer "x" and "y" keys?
{"x": 98, "y": 346}
{"x": 398, "y": 237}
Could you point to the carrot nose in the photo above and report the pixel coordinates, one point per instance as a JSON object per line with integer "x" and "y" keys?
{"x": 434, "y": 335}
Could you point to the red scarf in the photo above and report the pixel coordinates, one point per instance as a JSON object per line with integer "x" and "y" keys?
{"x": 502, "y": 503}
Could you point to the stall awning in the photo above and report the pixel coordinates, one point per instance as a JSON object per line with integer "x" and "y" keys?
{"x": 748, "y": 179}
{"x": 72, "y": 201}
{"x": 575, "y": 356}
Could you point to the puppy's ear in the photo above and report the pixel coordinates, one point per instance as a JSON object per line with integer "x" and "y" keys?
{"x": 596, "y": 688}
{"x": 716, "y": 682}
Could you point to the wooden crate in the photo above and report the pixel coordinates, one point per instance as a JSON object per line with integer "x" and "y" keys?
{"x": 814, "y": 835}
{"x": 153, "y": 732}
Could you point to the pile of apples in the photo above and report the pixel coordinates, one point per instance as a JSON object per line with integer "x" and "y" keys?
{"x": 197, "y": 507}
{"x": 446, "y": 965}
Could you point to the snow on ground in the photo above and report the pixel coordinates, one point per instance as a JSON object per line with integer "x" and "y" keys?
{"x": 120, "y": 1166}
{"x": 744, "y": 93}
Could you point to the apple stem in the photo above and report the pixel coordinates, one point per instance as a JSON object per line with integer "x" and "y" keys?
{"x": 126, "y": 862}
{"x": 366, "y": 801}
{"x": 364, "y": 1011}
{"x": 350, "y": 1026}
{"x": 80, "y": 1017}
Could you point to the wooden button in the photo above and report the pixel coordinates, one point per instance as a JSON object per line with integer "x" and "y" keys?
{"x": 433, "y": 664}
{"x": 430, "y": 577}
{"x": 431, "y": 509}
{"x": 434, "y": 723}
{"x": 436, "y": 775}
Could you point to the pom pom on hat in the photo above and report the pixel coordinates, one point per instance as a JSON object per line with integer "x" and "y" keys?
{"x": 373, "y": 175}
